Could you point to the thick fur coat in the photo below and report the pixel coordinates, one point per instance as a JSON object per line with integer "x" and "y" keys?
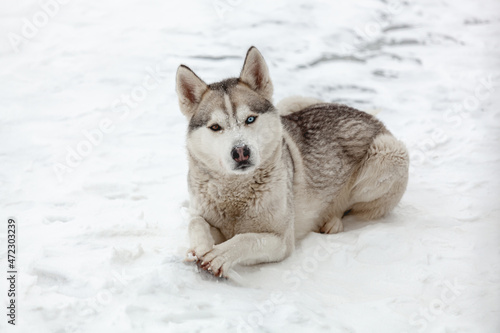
{"x": 262, "y": 177}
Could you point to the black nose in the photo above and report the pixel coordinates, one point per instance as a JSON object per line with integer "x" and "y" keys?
{"x": 240, "y": 153}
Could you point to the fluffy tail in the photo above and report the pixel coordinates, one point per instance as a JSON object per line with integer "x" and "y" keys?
{"x": 295, "y": 103}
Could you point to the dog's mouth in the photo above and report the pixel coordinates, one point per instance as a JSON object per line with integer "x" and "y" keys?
{"x": 243, "y": 165}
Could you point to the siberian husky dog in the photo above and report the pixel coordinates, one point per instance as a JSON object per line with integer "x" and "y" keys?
{"x": 262, "y": 177}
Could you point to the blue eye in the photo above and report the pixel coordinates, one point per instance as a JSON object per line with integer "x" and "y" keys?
{"x": 250, "y": 120}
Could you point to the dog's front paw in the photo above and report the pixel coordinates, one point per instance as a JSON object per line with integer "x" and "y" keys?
{"x": 217, "y": 262}
{"x": 197, "y": 253}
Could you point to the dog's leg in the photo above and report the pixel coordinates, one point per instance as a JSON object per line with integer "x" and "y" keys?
{"x": 332, "y": 217}
{"x": 249, "y": 248}
{"x": 382, "y": 179}
{"x": 202, "y": 238}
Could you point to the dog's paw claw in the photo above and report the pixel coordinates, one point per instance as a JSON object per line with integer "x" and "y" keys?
{"x": 191, "y": 257}
{"x": 333, "y": 226}
{"x": 215, "y": 263}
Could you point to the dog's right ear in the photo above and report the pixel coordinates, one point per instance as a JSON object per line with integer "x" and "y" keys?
{"x": 190, "y": 88}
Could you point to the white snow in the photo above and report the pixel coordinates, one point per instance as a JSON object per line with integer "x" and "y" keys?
{"x": 102, "y": 241}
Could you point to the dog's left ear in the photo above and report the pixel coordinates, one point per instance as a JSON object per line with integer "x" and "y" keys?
{"x": 256, "y": 74}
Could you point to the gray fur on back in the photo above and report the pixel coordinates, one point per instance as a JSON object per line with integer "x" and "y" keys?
{"x": 332, "y": 140}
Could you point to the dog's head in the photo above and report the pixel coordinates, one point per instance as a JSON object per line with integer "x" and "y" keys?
{"x": 233, "y": 126}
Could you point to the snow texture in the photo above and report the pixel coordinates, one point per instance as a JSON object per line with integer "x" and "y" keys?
{"x": 93, "y": 165}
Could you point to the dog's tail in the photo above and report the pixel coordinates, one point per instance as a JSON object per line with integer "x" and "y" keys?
{"x": 293, "y": 104}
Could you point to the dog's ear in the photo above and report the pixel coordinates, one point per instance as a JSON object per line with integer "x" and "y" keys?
{"x": 190, "y": 89}
{"x": 256, "y": 74}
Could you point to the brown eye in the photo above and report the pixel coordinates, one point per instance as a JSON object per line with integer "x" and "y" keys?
{"x": 215, "y": 127}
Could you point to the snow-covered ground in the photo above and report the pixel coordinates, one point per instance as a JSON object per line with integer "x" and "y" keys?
{"x": 93, "y": 167}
